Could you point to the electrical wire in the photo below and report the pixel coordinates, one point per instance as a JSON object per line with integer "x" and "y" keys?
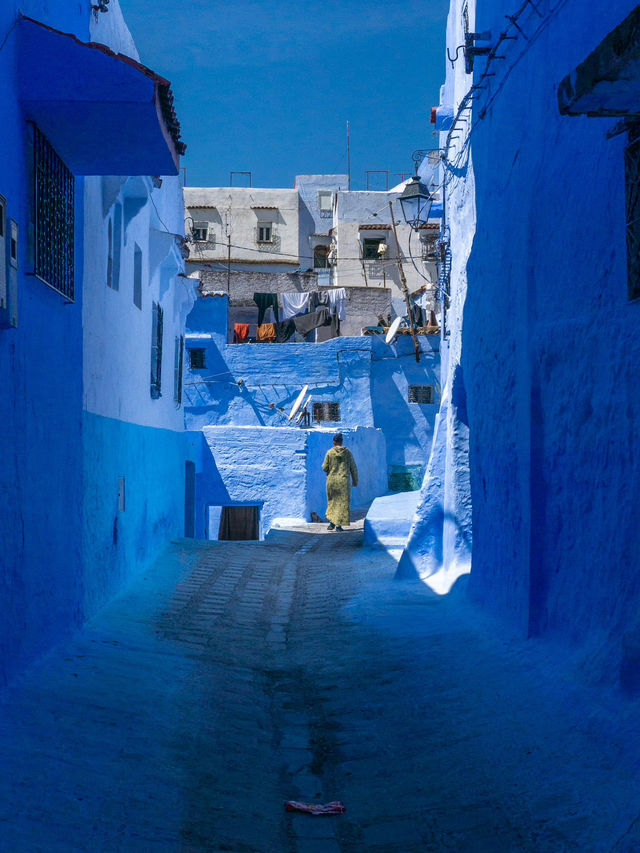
{"x": 414, "y": 263}
{"x": 159, "y": 217}
{"x": 10, "y": 30}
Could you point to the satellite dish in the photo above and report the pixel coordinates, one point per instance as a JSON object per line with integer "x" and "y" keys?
{"x": 298, "y": 402}
{"x": 304, "y": 408}
{"x": 393, "y": 330}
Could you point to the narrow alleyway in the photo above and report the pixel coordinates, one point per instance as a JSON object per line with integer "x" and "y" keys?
{"x": 232, "y": 677}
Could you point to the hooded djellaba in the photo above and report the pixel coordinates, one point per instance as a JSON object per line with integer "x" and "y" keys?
{"x": 340, "y": 468}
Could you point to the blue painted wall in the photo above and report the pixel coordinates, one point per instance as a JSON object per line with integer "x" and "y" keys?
{"x": 279, "y": 469}
{"x": 64, "y": 549}
{"x": 118, "y": 543}
{"x": 556, "y": 519}
{"x": 248, "y": 383}
{"x": 40, "y": 404}
{"x": 544, "y": 349}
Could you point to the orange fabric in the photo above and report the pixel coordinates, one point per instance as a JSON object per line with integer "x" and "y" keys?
{"x": 240, "y": 332}
{"x": 267, "y": 332}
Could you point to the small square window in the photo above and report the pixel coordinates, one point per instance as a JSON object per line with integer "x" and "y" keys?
{"x": 423, "y": 394}
{"x": 200, "y": 232}
{"x": 265, "y": 232}
{"x": 370, "y": 249}
{"x": 197, "y": 359}
{"x": 325, "y": 200}
{"x": 328, "y": 411}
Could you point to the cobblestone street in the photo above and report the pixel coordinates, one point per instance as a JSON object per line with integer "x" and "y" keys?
{"x": 231, "y": 677}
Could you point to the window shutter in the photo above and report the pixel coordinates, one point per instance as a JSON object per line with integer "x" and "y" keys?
{"x": 156, "y": 351}
{"x": 177, "y": 377}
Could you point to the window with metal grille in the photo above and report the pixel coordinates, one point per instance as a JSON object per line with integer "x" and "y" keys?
{"x": 370, "y": 249}
{"x": 156, "y": 351}
{"x": 632, "y": 193}
{"x": 423, "y": 394}
{"x": 197, "y": 359}
{"x": 177, "y": 370}
{"x": 200, "y": 232}
{"x": 53, "y": 218}
{"x": 326, "y": 412}
{"x": 321, "y": 257}
{"x": 265, "y": 232}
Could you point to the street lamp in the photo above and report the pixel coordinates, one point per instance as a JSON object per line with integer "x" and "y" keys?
{"x": 416, "y": 201}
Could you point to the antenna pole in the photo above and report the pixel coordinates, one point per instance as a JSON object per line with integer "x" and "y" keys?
{"x": 348, "y": 159}
{"x": 404, "y": 288}
{"x": 228, "y": 230}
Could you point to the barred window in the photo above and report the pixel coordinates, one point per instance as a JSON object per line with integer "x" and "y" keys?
{"x": 326, "y": 412}
{"x": 321, "y": 257}
{"x": 200, "y": 232}
{"x": 265, "y": 232}
{"x": 197, "y": 359}
{"x": 53, "y": 218}
{"x": 177, "y": 370}
{"x": 370, "y": 249}
{"x": 422, "y": 394}
{"x": 156, "y": 351}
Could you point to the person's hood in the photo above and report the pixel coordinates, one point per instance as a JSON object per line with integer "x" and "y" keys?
{"x": 339, "y": 449}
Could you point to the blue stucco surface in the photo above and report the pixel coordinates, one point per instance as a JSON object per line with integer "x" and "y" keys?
{"x": 388, "y": 521}
{"x": 40, "y": 406}
{"x": 556, "y": 522}
{"x": 248, "y": 384}
{"x": 540, "y": 406}
{"x": 60, "y": 465}
{"x": 279, "y": 469}
{"x": 116, "y": 544}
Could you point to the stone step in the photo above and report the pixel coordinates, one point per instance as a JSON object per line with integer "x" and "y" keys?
{"x": 389, "y": 519}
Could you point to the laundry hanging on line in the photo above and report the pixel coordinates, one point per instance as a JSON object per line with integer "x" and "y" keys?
{"x": 306, "y": 323}
{"x": 284, "y": 331}
{"x": 264, "y": 301}
{"x": 266, "y": 332}
{"x": 293, "y": 304}
{"x": 240, "y": 332}
{"x": 338, "y": 301}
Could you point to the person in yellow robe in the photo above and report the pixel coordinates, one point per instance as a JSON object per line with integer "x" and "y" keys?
{"x": 340, "y": 468}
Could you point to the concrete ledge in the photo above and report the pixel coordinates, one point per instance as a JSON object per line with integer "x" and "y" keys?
{"x": 388, "y": 522}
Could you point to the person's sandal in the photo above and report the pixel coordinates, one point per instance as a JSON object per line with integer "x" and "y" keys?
{"x": 338, "y": 528}
{"x": 331, "y": 526}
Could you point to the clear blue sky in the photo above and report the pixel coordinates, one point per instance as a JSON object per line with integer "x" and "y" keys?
{"x": 268, "y": 87}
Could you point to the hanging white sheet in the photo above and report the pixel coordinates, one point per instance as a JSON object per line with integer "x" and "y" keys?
{"x": 294, "y": 303}
{"x": 338, "y": 299}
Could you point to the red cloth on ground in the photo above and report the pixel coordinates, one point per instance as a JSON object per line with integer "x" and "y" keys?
{"x": 336, "y": 807}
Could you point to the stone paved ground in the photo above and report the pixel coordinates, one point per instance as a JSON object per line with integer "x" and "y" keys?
{"x": 231, "y": 677}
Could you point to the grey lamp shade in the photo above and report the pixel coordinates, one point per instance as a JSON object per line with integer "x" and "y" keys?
{"x": 416, "y": 201}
